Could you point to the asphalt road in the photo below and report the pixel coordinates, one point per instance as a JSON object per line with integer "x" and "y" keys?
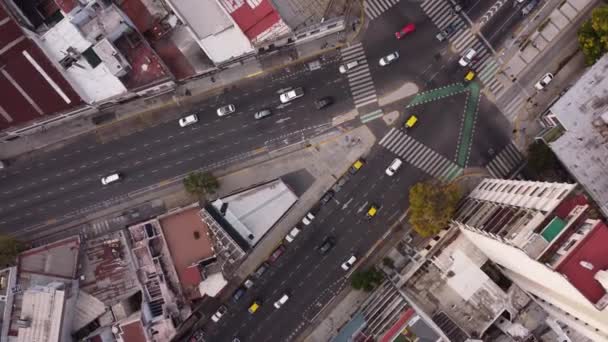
{"x": 501, "y": 25}
{"x": 68, "y": 180}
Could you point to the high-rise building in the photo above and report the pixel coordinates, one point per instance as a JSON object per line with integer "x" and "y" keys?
{"x": 545, "y": 240}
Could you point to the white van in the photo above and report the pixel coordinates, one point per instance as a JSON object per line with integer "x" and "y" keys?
{"x": 395, "y": 165}
{"x": 292, "y": 234}
{"x": 110, "y": 178}
{"x": 281, "y": 301}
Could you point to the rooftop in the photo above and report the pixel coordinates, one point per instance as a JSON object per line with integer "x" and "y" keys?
{"x": 59, "y": 259}
{"x": 133, "y": 332}
{"x": 254, "y": 211}
{"x": 43, "y": 307}
{"x": 189, "y": 243}
{"x": 586, "y": 258}
{"x": 259, "y": 22}
{"x": 583, "y": 148}
{"x": 31, "y": 86}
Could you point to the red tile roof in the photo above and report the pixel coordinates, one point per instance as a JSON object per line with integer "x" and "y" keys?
{"x": 254, "y": 21}
{"x": 146, "y": 68}
{"x": 398, "y": 326}
{"x": 592, "y": 249}
{"x": 66, "y": 5}
{"x": 173, "y": 58}
{"x": 139, "y": 14}
{"x": 133, "y": 332}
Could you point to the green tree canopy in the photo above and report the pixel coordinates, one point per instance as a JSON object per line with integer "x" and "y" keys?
{"x": 9, "y": 248}
{"x": 366, "y": 280}
{"x": 593, "y": 35}
{"x": 432, "y": 205}
{"x": 201, "y": 183}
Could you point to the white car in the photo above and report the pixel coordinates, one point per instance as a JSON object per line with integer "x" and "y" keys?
{"x": 388, "y": 59}
{"x": 349, "y": 263}
{"x": 291, "y": 95}
{"x": 292, "y": 234}
{"x": 308, "y": 218}
{"x": 540, "y": 85}
{"x": 188, "y": 120}
{"x": 225, "y": 110}
{"x": 395, "y": 165}
{"x": 281, "y": 301}
{"x": 344, "y": 68}
{"x": 467, "y": 57}
{"x": 115, "y": 177}
{"x": 219, "y": 314}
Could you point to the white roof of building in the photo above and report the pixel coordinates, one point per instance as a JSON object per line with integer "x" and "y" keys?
{"x": 254, "y": 211}
{"x": 42, "y": 312}
{"x": 214, "y": 29}
{"x": 93, "y": 84}
{"x": 212, "y": 285}
{"x": 583, "y": 148}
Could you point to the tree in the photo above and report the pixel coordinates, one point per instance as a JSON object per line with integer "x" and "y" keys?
{"x": 388, "y": 262}
{"x": 200, "y": 183}
{"x": 593, "y": 35}
{"x": 9, "y": 248}
{"x": 432, "y": 205}
{"x": 366, "y": 280}
{"x": 540, "y": 157}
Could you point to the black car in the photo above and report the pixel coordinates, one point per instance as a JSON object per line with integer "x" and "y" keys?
{"x": 327, "y": 197}
{"x": 327, "y": 245}
{"x": 323, "y": 102}
{"x": 238, "y": 294}
{"x": 261, "y": 269}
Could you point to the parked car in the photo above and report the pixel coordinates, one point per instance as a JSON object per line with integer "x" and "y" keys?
{"x": 529, "y": 7}
{"x": 446, "y": 32}
{"x": 308, "y": 218}
{"x": 261, "y": 269}
{"x": 407, "y": 29}
{"x": 276, "y": 254}
{"x": 292, "y": 234}
{"x": 357, "y": 165}
{"x": 188, "y": 120}
{"x": 323, "y": 102}
{"x": 327, "y": 244}
{"x": 540, "y": 85}
{"x": 327, "y": 197}
{"x": 262, "y": 114}
{"x": 238, "y": 294}
{"x": 226, "y": 110}
{"x": 349, "y": 263}
{"x": 219, "y": 314}
{"x": 344, "y": 68}
{"x": 467, "y": 58}
{"x": 248, "y": 283}
{"x": 284, "y": 298}
{"x": 388, "y": 59}
{"x": 291, "y": 95}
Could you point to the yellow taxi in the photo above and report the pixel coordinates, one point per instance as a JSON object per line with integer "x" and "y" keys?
{"x": 356, "y": 166}
{"x": 470, "y": 75}
{"x": 372, "y": 211}
{"x": 411, "y": 121}
{"x": 254, "y": 307}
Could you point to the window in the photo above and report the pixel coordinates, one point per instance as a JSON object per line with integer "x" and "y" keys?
{"x": 535, "y": 190}
{"x": 91, "y": 57}
{"x": 569, "y": 245}
{"x": 562, "y": 194}
{"x": 544, "y": 191}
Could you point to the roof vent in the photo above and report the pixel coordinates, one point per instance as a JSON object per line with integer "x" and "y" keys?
{"x": 587, "y": 265}
{"x": 602, "y": 277}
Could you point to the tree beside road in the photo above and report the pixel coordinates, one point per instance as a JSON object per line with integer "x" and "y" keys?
{"x": 432, "y": 205}
{"x": 9, "y": 248}
{"x": 593, "y": 35}
{"x": 201, "y": 183}
{"x": 366, "y": 280}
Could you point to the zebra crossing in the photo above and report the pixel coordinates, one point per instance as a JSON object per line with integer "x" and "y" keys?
{"x": 442, "y": 15}
{"x": 100, "y": 228}
{"x": 511, "y": 109}
{"x": 360, "y": 79}
{"x": 420, "y": 156}
{"x": 507, "y": 163}
{"x": 374, "y": 8}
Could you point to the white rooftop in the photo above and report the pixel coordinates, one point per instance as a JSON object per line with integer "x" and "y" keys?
{"x": 583, "y": 148}
{"x": 216, "y": 33}
{"x": 212, "y": 285}
{"x": 254, "y": 211}
{"x": 42, "y": 313}
{"x": 93, "y": 84}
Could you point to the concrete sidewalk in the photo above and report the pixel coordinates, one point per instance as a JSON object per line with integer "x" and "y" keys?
{"x": 142, "y": 113}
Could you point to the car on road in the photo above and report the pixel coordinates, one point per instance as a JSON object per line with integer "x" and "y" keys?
{"x": 323, "y": 102}
{"x": 292, "y": 234}
{"x": 357, "y": 165}
{"x": 226, "y": 110}
{"x": 349, "y": 263}
{"x": 547, "y": 78}
{"x": 395, "y": 165}
{"x": 327, "y": 197}
{"x": 219, "y": 314}
{"x": 407, "y": 29}
{"x": 276, "y": 254}
{"x": 467, "y": 58}
{"x": 188, "y": 120}
{"x": 261, "y": 269}
{"x": 446, "y": 32}
{"x": 248, "y": 283}
{"x": 255, "y": 305}
{"x": 388, "y": 59}
{"x": 291, "y": 95}
{"x": 529, "y": 7}
{"x": 238, "y": 294}
{"x": 372, "y": 211}
{"x": 262, "y": 114}
{"x": 327, "y": 244}
{"x": 469, "y": 76}
{"x": 344, "y": 68}
{"x": 308, "y": 218}
{"x": 284, "y": 298}
{"x": 111, "y": 178}
{"x": 411, "y": 122}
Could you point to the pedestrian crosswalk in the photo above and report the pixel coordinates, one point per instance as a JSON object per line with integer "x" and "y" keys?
{"x": 360, "y": 79}
{"x": 374, "y": 8}
{"x": 103, "y": 227}
{"x": 507, "y": 163}
{"x": 442, "y": 15}
{"x": 420, "y": 156}
{"x": 511, "y": 109}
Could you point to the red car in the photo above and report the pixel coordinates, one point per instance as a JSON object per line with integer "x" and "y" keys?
{"x": 407, "y": 29}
